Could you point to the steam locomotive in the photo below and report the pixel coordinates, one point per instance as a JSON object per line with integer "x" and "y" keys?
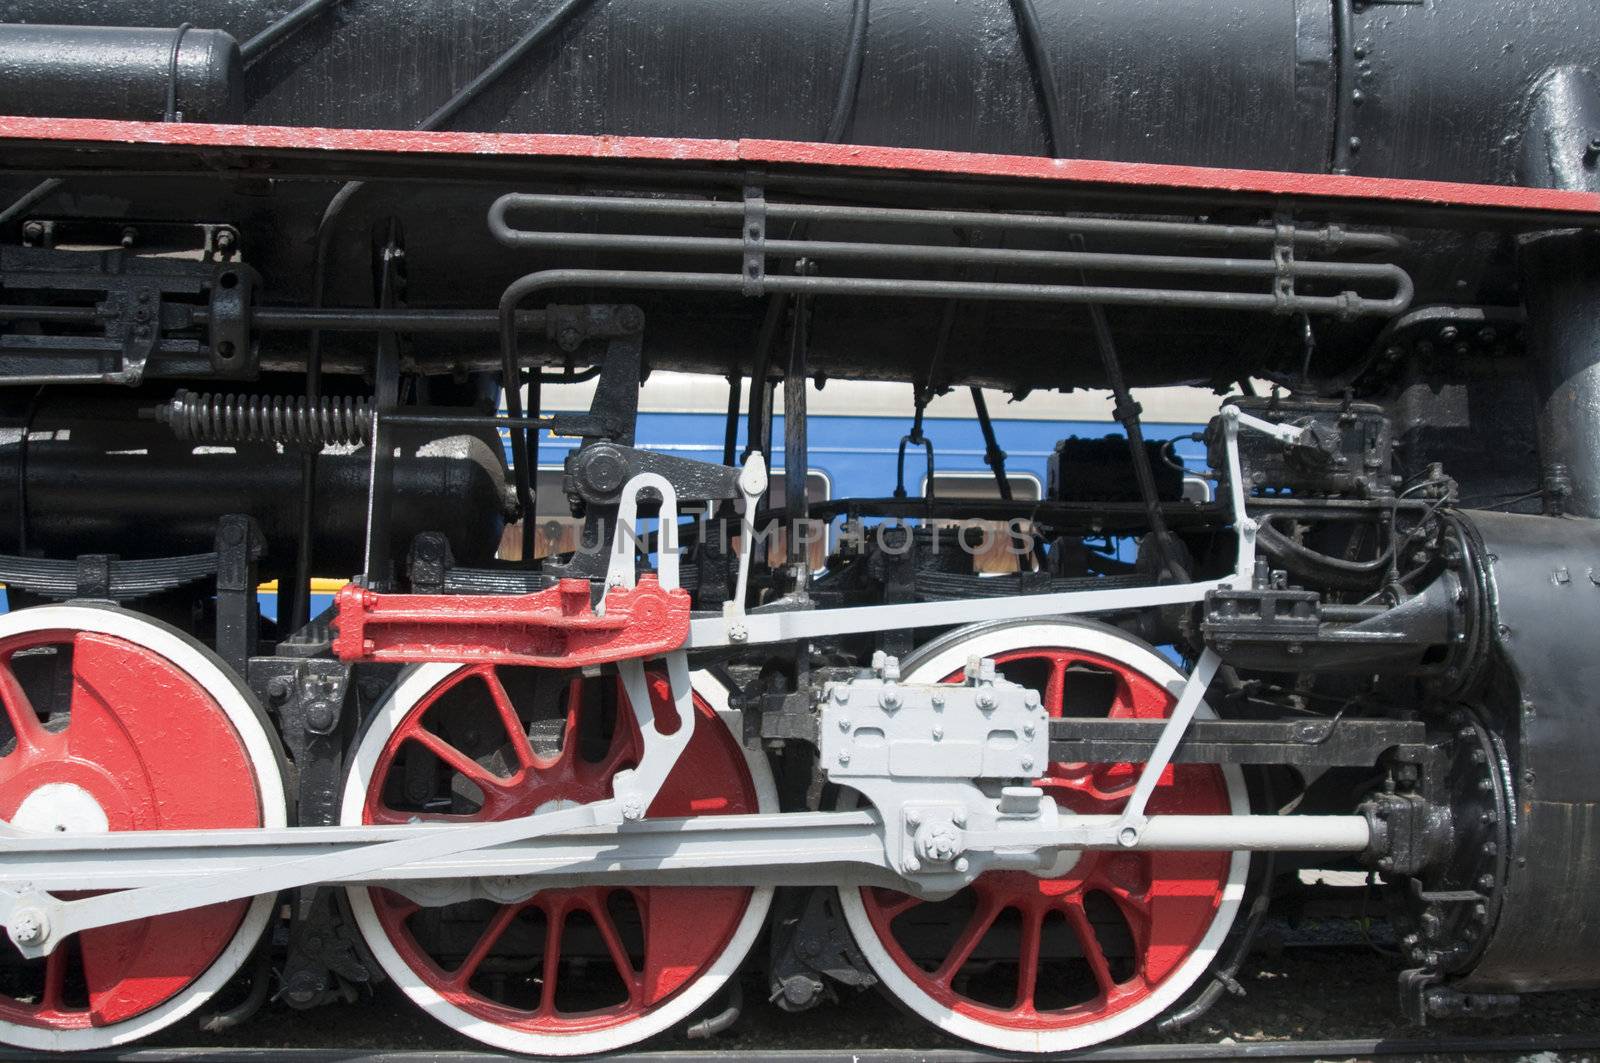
{"x": 284, "y": 289}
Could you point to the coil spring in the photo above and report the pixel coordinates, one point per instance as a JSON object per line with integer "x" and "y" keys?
{"x": 288, "y": 419}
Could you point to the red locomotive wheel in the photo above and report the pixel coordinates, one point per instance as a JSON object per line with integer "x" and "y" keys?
{"x": 557, "y": 971}
{"x": 1108, "y": 940}
{"x": 113, "y": 722}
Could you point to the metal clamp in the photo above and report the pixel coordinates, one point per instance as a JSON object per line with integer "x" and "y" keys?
{"x": 1283, "y": 265}
{"x": 754, "y": 236}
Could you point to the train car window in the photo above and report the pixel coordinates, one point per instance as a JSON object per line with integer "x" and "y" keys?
{"x": 819, "y": 488}
{"x": 990, "y": 542}
{"x": 1024, "y": 487}
{"x": 559, "y": 532}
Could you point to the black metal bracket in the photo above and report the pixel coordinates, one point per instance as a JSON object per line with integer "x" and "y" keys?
{"x": 142, "y": 316}
{"x": 1303, "y": 743}
{"x": 615, "y": 406}
{"x": 239, "y": 544}
{"x": 595, "y": 474}
{"x": 308, "y": 696}
{"x": 754, "y": 235}
{"x": 811, "y": 946}
{"x": 429, "y": 563}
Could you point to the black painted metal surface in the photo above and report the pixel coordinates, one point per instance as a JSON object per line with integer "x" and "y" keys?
{"x": 1424, "y": 90}
{"x": 1546, "y": 590}
{"x": 150, "y": 74}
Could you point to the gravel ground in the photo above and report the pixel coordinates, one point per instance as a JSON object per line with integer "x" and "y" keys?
{"x": 1290, "y": 993}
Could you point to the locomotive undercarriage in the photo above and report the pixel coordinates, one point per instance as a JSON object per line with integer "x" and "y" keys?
{"x": 561, "y": 802}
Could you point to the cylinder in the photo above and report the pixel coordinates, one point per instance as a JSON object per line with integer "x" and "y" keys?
{"x": 97, "y": 478}
{"x": 120, "y": 72}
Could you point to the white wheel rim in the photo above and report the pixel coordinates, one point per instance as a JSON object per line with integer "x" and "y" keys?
{"x": 951, "y": 656}
{"x": 223, "y": 686}
{"x": 415, "y": 684}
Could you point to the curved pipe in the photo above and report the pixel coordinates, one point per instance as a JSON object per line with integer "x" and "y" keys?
{"x": 1320, "y": 568}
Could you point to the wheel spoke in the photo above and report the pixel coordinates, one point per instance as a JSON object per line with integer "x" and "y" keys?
{"x": 19, "y": 710}
{"x": 566, "y": 758}
{"x": 486, "y": 942}
{"x": 555, "y": 921}
{"x": 613, "y": 939}
{"x": 456, "y": 759}
{"x": 520, "y": 746}
{"x": 1093, "y": 954}
{"x": 977, "y": 926}
{"x": 1028, "y": 957}
{"x": 1055, "y": 688}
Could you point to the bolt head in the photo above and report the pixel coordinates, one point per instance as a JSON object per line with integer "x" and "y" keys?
{"x": 1027, "y": 763}
{"x": 321, "y": 716}
{"x": 844, "y": 724}
{"x": 962, "y": 865}
{"x": 938, "y": 733}
{"x": 844, "y": 757}
{"x": 29, "y": 927}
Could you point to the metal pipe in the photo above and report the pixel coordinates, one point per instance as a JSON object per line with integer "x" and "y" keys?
{"x": 258, "y": 46}
{"x": 796, "y": 454}
{"x": 1076, "y": 295}
{"x": 1326, "y": 238}
{"x": 1322, "y": 834}
{"x": 355, "y": 319}
{"x": 411, "y": 419}
{"x": 852, "y": 251}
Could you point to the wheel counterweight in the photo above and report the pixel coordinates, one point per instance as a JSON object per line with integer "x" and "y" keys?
{"x": 113, "y": 722}
{"x": 1104, "y": 940}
